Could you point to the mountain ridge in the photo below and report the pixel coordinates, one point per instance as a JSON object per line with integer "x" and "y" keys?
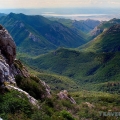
{"x": 108, "y": 41}
{"x": 45, "y": 35}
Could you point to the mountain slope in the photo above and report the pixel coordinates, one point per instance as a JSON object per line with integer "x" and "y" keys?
{"x": 103, "y": 26}
{"x": 39, "y": 34}
{"x": 86, "y": 28}
{"x": 108, "y": 41}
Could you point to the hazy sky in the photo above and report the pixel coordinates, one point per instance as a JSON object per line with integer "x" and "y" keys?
{"x": 58, "y": 3}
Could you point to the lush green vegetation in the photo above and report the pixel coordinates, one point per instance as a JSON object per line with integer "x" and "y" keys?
{"x": 56, "y": 82}
{"x": 15, "y": 106}
{"x": 32, "y": 85}
{"x": 91, "y": 103}
{"x": 87, "y": 69}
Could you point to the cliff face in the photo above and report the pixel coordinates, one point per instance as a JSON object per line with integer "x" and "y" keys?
{"x": 7, "y": 46}
{"x": 10, "y": 68}
{"x": 7, "y": 56}
{"x": 14, "y": 75}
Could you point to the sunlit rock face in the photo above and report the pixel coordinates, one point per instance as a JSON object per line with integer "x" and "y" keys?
{"x": 7, "y": 56}
{"x": 5, "y": 74}
{"x": 47, "y": 89}
{"x": 8, "y": 70}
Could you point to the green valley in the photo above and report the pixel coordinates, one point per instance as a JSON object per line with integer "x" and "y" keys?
{"x": 93, "y": 64}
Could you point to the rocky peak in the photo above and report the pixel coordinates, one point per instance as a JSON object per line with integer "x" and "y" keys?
{"x": 7, "y": 45}
{"x": 114, "y": 29}
{"x": 7, "y": 56}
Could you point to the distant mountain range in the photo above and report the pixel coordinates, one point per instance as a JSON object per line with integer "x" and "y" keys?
{"x": 82, "y": 25}
{"x": 2, "y": 14}
{"x": 39, "y": 34}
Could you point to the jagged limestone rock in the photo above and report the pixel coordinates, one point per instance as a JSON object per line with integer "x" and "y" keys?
{"x": 7, "y": 45}
{"x": 19, "y": 69}
{"x": 47, "y": 88}
{"x": 64, "y": 95}
{"x": 30, "y": 98}
{"x": 5, "y": 74}
{"x": 7, "y": 56}
{"x": 10, "y": 68}
{"x": 96, "y": 31}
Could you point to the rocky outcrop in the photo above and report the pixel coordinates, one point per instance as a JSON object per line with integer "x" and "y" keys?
{"x": 5, "y": 74}
{"x": 90, "y": 105}
{"x": 8, "y": 72}
{"x": 10, "y": 68}
{"x": 47, "y": 89}
{"x": 64, "y": 95}
{"x": 114, "y": 29}
{"x": 30, "y": 98}
{"x": 19, "y": 69}
{"x": 96, "y": 31}
{"x": 7, "y": 46}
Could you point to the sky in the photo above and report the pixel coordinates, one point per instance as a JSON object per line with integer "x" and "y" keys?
{"x": 58, "y": 3}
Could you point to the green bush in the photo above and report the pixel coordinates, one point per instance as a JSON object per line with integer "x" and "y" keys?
{"x": 31, "y": 85}
{"x": 13, "y": 102}
{"x": 40, "y": 116}
{"x": 66, "y": 115}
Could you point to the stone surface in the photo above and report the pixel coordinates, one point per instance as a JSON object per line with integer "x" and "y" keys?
{"x": 47, "y": 89}
{"x": 64, "y": 95}
{"x": 7, "y": 45}
{"x": 5, "y": 74}
{"x": 96, "y": 31}
{"x": 30, "y": 98}
{"x": 19, "y": 69}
